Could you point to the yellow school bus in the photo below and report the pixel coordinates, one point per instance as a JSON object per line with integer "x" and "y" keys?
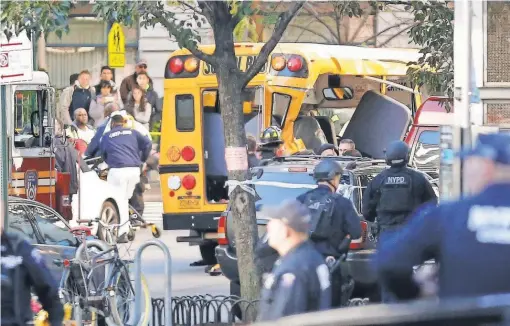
{"x": 313, "y": 90}
{"x": 303, "y": 89}
{"x": 192, "y": 164}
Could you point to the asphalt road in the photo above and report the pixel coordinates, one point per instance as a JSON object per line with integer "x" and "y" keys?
{"x": 186, "y": 280}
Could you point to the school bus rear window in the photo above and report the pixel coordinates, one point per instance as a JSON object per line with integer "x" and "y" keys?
{"x": 185, "y": 112}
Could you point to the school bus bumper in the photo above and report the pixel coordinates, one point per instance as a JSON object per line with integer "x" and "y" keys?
{"x": 191, "y": 221}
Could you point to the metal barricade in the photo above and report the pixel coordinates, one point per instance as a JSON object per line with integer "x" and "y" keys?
{"x": 138, "y": 281}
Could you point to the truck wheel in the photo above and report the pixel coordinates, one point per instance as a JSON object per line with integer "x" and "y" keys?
{"x": 208, "y": 254}
{"x": 109, "y": 215}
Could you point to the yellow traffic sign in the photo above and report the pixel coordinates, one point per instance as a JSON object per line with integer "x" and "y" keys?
{"x": 116, "y": 47}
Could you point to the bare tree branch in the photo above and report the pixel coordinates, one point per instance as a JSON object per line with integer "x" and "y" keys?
{"x": 309, "y": 30}
{"x": 366, "y": 14}
{"x": 338, "y": 36}
{"x": 283, "y": 21}
{"x": 195, "y": 9}
{"x": 193, "y": 48}
{"x": 312, "y": 11}
{"x": 396, "y": 35}
{"x": 385, "y": 30}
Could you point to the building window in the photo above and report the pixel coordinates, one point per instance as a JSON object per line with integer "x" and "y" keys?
{"x": 85, "y": 47}
{"x": 497, "y": 114}
{"x": 498, "y": 49}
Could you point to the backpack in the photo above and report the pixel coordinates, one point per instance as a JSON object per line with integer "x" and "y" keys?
{"x": 321, "y": 211}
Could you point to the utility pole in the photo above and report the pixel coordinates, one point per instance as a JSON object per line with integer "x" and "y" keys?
{"x": 458, "y": 136}
{"x": 464, "y": 114}
{"x": 4, "y": 158}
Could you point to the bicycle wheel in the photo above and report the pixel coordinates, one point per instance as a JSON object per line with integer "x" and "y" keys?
{"x": 122, "y": 303}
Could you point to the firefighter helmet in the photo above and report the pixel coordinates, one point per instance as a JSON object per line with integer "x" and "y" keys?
{"x": 271, "y": 135}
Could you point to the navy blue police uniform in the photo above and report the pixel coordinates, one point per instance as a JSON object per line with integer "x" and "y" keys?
{"x": 470, "y": 239}
{"x": 333, "y": 218}
{"x": 125, "y": 147}
{"x": 298, "y": 283}
{"x": 22, "y": 270}
{"x": 396, "y": 192}
{"x": 334, "y": 221}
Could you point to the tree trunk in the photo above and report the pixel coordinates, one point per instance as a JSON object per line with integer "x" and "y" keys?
{"x": 242, "y": 202}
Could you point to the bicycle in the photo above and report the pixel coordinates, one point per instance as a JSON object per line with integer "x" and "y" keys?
{"x": 93, "y": 292}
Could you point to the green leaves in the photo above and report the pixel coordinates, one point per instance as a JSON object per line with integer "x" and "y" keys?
{"x": 434, "y": 33}
{"x": 34, "y": 17}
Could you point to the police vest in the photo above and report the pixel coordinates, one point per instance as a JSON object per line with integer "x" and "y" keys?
{"x": 321, "y": 212}
{"x": 396, "y": 193}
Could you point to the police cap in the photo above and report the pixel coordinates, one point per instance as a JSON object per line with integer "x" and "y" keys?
{"x": 291, "y": 212}
{"x": 397, "y": 153}
{"x": 495, "y": 147}
{"x": 326, "y": 170}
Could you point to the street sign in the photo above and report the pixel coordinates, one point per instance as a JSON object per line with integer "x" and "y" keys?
{"x": 116, "y": 47}
{"x": 16, "y": 57}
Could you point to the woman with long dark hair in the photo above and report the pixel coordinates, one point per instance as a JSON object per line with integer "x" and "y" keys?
{"x": 138, "y": 106}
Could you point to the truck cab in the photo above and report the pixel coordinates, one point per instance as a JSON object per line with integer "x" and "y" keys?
{"x": 30, "y": 125}
{"x": 423, "y": 137}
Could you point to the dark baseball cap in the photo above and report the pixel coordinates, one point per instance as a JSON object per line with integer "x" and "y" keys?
{"x": 325, "y": 147}
{"x": 495, "y": 147}
{"x": 291, "y": 212}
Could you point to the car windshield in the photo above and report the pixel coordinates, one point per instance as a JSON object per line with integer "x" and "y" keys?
{"x": 274, "y": 187}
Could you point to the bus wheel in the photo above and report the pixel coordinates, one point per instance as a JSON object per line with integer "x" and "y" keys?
{"x": 208, "y": 254}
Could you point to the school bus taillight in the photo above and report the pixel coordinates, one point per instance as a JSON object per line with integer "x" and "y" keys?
{"x": 188, "y": 153}
{"x": 295, "y": 64}
{"x": 191, "y": 64}
{"x": 176, "y": 65}
{"x": 189, "y": 182}
{"x": 278, "y": 63}
{"x": 173, "y": 154}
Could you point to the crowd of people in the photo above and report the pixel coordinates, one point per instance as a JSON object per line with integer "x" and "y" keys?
{"x": 112, "y": 122}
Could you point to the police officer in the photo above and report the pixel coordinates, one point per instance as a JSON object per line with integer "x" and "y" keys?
{"x": 299, "y": 281}
{"x": 468, "y": 237}
{"x": 124, "y": 150}
{"x": 270, "y": 140}
{"x": 334, "y": 221}
{"x": 23, "y": 269}
{"x": 333, "y": 216}
{"x": 396, "y": 192}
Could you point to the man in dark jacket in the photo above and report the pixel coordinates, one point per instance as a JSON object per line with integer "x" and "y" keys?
{"x": 130, "y": 81}
{"x": 470, "y": 238}
{"x": 23, "y": 269}
{"x": 124, "y": 150}
{"x": 299, "y": 281}
{"x": 394, "y": 194}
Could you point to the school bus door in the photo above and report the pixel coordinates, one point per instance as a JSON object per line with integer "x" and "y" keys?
{"x": 290, "y": 112}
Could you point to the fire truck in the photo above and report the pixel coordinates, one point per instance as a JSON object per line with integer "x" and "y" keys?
{"x": 30, "y": 109}
{"x": 31, "y": 129}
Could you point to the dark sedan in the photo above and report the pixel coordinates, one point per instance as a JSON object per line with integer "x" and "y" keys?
{"x": 290, "y": 177}
{"x": 44, "y": 228}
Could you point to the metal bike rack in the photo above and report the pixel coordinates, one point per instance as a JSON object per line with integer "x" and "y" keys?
{"x": 138, "y": 280}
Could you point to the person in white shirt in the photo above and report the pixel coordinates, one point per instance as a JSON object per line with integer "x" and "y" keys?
{"x": 80, "y": 128}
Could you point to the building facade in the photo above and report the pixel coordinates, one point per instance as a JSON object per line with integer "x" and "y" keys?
{"x": 85, "y": 47}
{"x": 490, "y": 44}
